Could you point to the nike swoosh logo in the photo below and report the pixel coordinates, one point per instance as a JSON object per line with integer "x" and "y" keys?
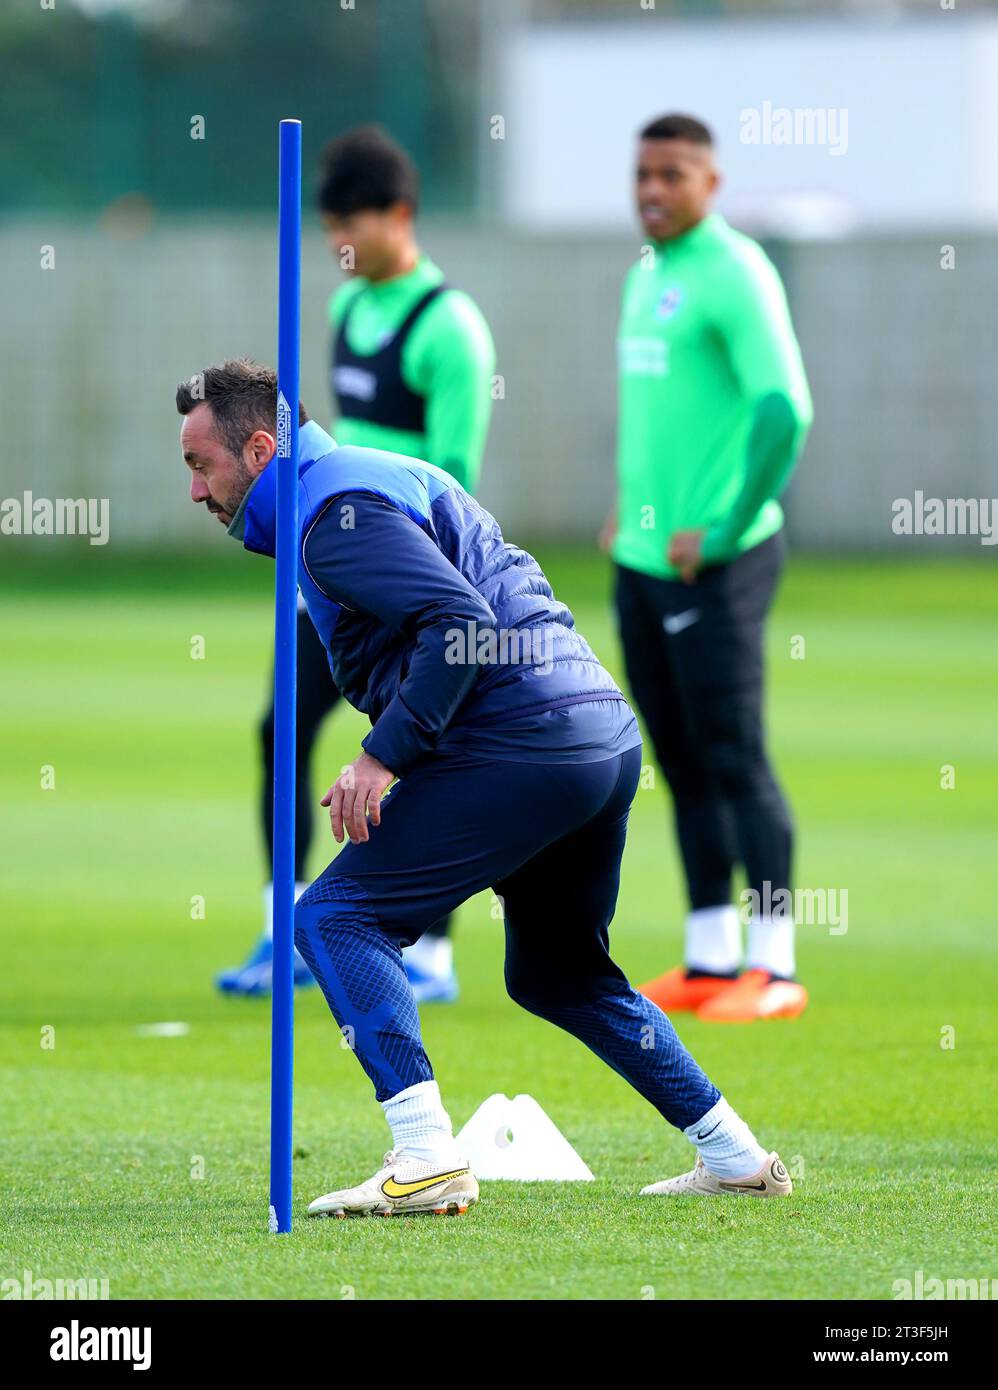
{"x": 391, "y": 1188}
{"x": 675, "y": 622}
{"x": 709, "y": 1132}
{"x": 745, "y": 1186}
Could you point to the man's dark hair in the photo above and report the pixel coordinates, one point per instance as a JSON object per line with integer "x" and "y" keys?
{"x": 677, "y": 127}
{"x": 243, "y": 398}
{"x": 364, "y": 169}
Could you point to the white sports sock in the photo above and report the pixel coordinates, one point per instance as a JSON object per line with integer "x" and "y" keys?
{"x": 268, "y": 906}
{"x": 771, "y": 946}
{"x": 727, "y": 1146}
{"x": 433, "y": 955}
{"x": 420, "y": 1125}
{"x": 714, "y": 940}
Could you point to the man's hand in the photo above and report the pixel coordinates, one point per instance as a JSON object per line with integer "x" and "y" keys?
{"x": 685, "y": 553}
{"x": 355, "y": 795}
{"x": 608, "y": 531}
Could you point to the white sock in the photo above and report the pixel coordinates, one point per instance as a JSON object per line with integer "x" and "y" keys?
{"x": 420, "y": 1125}
{"x": 727, "y": 1146}
{"x": 268, "y": 906}
{"x": 714, "y": 940}
{"x": 434, "y": 955}
{"x": 771, "y": 946}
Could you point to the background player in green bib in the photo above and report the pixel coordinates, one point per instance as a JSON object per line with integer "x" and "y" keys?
{"x": 411, "y": 366}
{"x": 713, "y": 410}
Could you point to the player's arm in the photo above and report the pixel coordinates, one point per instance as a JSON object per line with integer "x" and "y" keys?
{"x": 339, "y": 302}
{"x": 453, "y": 363}
{"x": 754, "y": 320}
{"x": 384, "y": 564}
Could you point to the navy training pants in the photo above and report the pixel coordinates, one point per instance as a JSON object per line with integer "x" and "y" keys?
{"x": 548, "y": 838}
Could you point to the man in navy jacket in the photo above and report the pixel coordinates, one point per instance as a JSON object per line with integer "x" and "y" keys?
{"x": 515, "y": 759}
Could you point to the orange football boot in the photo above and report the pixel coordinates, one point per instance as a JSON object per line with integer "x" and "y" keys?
{"x": 674, "y": 993}
{"x": 756, "y": 994}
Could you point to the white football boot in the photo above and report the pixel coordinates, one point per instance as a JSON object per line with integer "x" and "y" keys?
{"x": 404, "y": 1186}
{"x": 772, "y": 1180}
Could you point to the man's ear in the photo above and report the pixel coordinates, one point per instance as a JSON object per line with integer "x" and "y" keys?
{"x": 262, "y": 447}
{"x": 403, "y": 215}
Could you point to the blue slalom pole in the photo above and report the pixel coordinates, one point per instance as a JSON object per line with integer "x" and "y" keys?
{"x": 285, "y": 671}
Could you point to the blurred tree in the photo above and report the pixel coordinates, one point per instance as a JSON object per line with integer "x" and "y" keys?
{"x": 101, "y": 95}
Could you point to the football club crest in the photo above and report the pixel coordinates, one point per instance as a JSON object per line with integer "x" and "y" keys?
{"x": 669, "y": 303}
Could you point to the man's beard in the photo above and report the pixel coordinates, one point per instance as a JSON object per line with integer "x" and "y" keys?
{"x": 241, "y": 484}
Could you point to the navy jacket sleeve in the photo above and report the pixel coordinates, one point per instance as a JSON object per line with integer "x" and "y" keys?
{"x": 387, "y": 566}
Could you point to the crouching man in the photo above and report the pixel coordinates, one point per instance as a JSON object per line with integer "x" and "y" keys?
{"x": 514, "y": 759}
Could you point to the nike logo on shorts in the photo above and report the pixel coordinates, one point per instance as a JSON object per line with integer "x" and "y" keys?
{"x": 675, "y": 622}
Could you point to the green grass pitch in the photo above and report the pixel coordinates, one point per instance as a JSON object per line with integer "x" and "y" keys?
{"x": 143, "y": 1159}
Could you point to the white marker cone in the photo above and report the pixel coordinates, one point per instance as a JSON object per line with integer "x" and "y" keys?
{"x": 515, "y": 1139}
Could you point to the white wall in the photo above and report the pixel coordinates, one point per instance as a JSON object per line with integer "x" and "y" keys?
{"x": 920, "y": 97}
{"x": 900, "y": 355}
